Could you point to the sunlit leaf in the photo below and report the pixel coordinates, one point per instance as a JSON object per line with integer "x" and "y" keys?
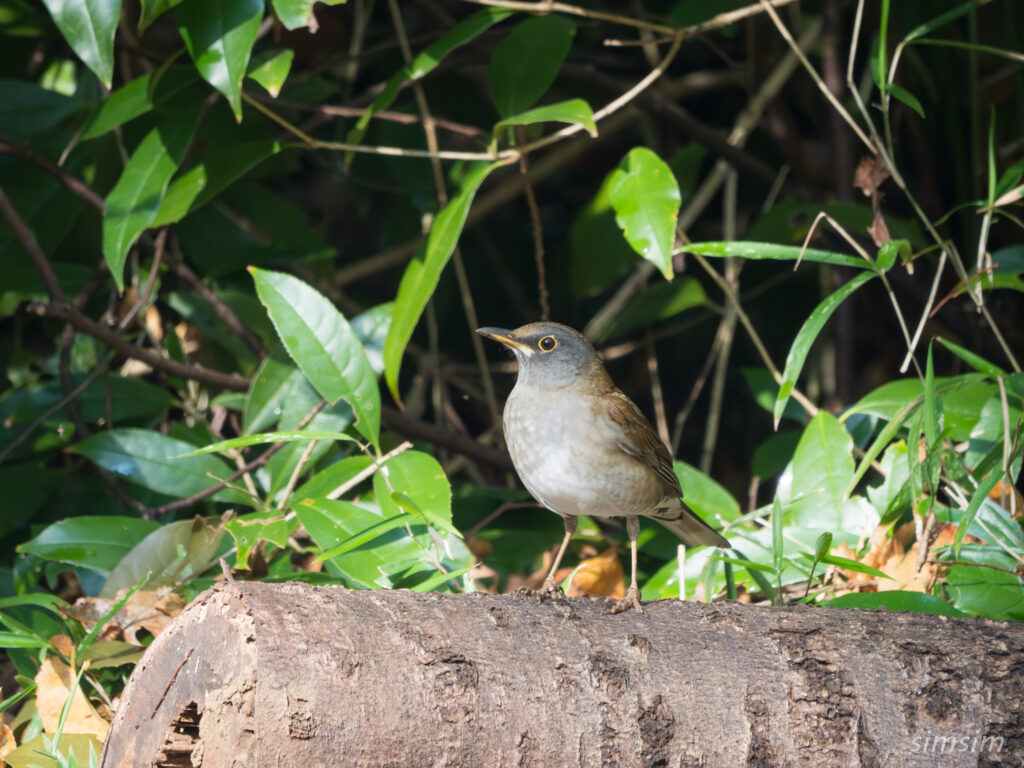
{"x": 89, "y": 27}
{"x": 646, "y": 200}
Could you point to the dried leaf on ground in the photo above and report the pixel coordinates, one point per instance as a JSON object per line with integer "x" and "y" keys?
{"x": 7, "y": 742}
{"x": 599, "y": 576}
{"x": 148, "y": 610}
{"x": 53, "y": 686}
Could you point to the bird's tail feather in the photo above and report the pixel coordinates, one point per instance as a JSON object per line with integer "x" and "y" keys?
{"x": 689, "y": 527}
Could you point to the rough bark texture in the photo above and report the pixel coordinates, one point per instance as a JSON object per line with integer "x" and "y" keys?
{"x": 292, "y": 675}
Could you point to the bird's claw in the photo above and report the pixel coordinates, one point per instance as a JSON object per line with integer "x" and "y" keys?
{"x": 631, "y": 600}
{"x": 548, "y": 591}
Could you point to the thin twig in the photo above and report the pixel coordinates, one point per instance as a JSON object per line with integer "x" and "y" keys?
{"x": 546, "y": 6}
{"x": 174, "y": 676}
{"x": 356, "y": 479}
{"x": 31, "y": 246}
{"x": 538, "y": 233}
{"x": 73, "y": 183}
{"x": 296, "y": 473}
{"x": 158, "y": 255}
{"x": 219, "y": 307}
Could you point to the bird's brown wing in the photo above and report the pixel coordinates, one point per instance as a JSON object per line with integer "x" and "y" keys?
{"x": 640, "y": 441}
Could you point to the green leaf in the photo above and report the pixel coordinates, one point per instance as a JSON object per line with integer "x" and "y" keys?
{"x": 526, "y": 61}
{"x": 979, "y": 590}
{"x": 35, "y": 753}
{"x": 220, "y": 167}
{"x": 423, "y": 272}
{"x": 806, "y": 336}
{"x": 415, "y": 477}
{"x": 705, "y": 496}
{"x": 298, "y": 13}
{"x": 151, "y": 9}
{"x": 778, "y": 540}
{"x": 381, "y": 565}
{"x": 813, "y": 487}
{"x": 774, "y": 252}
{"x": 147, "y": 458}
{"x": 822, "y": 546}
{"x": 890, "y": 251}
{"x": 18, "y": 640}
{"x": 171, "y": 554}
{"x": 96, "y": 543}
{"x": 135, "y": 199}
{"x": 270, "y": 69}
{"x": 369, "y": 534}
{"x": 847, "y": 564}
{"x": 646, "y": 200}
{"x": 89, "y": 27}
{"x": 44, "y": 600}
{"x": 748, "y": 564}
{"x": 268, "y": 437}
{"x": 248, "y": 530}
{"x": 902, "y": 94}
{"x": 431, "y": 583}
{"x": 464, "y": 32}
{"x": 323, "y": 345}
{"x": 976, "y": 361}
{"x": 219, "y": 35}
{"x": 930, "y": 414}
{"x": 572, "y": 111}
{"x": 894, "y": 600}
{"x": 138, "y": 97}
{"x": 112, "y": 653}
{"x": 333, "y": 476}
{"x": 599, "y": 255}
{"x": 985, "y": 487}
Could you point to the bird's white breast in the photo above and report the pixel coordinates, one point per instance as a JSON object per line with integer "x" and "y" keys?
{"x": 565, "y": 452}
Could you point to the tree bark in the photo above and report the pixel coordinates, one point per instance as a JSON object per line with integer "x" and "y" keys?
{"x": 257, "y": 674}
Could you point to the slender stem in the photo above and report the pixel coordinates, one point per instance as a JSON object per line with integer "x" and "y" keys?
{"x": 356, "y": 479}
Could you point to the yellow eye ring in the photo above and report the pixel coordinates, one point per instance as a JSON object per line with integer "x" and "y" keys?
{"x": 547, "y": 343}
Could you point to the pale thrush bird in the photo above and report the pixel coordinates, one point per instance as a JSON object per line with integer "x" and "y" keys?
{"x": 582, "y": 447}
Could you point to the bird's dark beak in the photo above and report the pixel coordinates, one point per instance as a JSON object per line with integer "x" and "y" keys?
{"x": 503, "y": 336}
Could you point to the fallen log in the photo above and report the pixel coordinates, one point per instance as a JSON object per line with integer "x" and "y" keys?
{"x": 256, "y": 674}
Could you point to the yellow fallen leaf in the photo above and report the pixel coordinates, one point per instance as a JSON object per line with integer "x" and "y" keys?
{"x": 599, "y": 576}
{"x": 53, "y": 686}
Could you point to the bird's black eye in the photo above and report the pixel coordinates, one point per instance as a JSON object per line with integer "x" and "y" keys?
{"x": 547, "y": 343}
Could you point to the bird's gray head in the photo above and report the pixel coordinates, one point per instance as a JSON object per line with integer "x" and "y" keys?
{"x": 549, "y": 354}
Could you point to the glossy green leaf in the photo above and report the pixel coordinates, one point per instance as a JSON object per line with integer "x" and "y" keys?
{"x": 220, "y": 167}
{"x": 44, "y": 600}
{"x": 433, "y": 582}
{"x": 822, "y": 546}
{"x": 705, "y": 496}
{"x": 419, "y": 478}
{"x": 136, "y": 197}
{"x": 930, "y": 414}
{"x": 572, "y": 111}
{"x": 18, "y": 640}
{"x": 89, "y": 27}
{"x": 298, "y": 13}
{"x": 147, "y": 458}
{"x": 894, "y": 600}
{"x": 270, "y": 69}
{"x": 462, "y": 33}
{"x": 764, "y": 390}
{"x": 323, "y": 345}
{"x": 806, "y": 337}
{"x": 96, "y": 543}
{"x": 778, "y": 539}
{"x": 646, "y": 200}
{"x": 890, "y": 251}
{"x": 369, "y": 534}
{"x": 775, "y": 252}
{"x": 172, "y": 553}
{"x": 151, "y": 9}
{"x": 219, "y": 35}
{"x": 526, "y": 61}
{"x": 423, "y": 272}
{"x": 268, "y": 437}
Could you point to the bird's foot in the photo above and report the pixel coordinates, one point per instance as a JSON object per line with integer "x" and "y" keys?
{"x": 548, "y": 591}
{"x": 631, "y": 600}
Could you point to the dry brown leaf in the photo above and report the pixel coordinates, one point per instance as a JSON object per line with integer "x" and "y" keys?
{"x": 53, "y": 686}
{"x": 1008, "y": 497}
{"x": 153, "y": 322}
{"x": 7, "y": 742}
{"x": 599, "y": 576}
{"x": 63, "y": 644}
{"x": 870, "y": 174}
{"x": 148, "y": 610}
{"x": 879, "y": 230}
